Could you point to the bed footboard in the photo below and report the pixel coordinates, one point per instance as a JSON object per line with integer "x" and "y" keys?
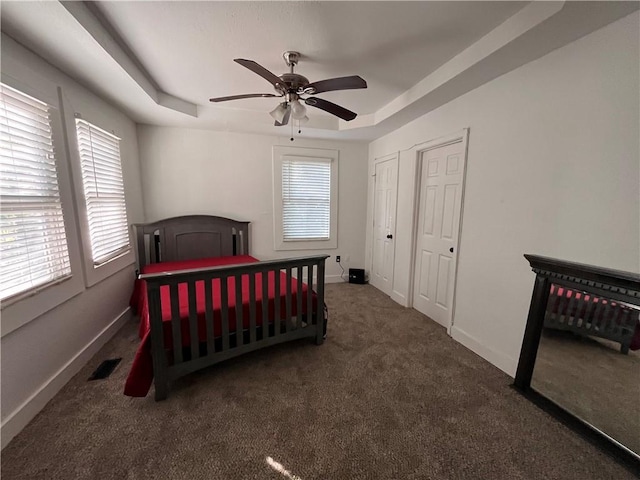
{"x": 291, "y": 316}
{"x": 590, "y": 315}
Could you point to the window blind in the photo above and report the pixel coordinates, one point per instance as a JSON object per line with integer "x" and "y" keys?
{"x": 33, "y": 243}
{"x": 103, "y": 192}
{"x": 306, "y": 199}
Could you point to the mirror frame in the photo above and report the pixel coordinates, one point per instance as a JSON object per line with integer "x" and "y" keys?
{"x": 604, "y": 282}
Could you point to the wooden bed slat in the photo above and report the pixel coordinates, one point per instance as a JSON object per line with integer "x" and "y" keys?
{"x": 252, "y": 308}
{"x": 605, "y": 323}
{"x": 597, "y": 313}
{"x": 310, "y": 295}
{"x": 300, "y": 275}
{"x": 278, "y": 302}
{"x": 562, "y": 309}
{"x": 224, "y": 297}
{"x": 571, "y": 318}
{"x": 288, "y": 300}
{"x": 209, "y": 307}
{"x": 615, "y": 322}
{"x": 588, "y": 316}
{"x": 320, "y": 300}
{"x": 238, "y": 310}
{"x": 193, "y": 320}
{"x": 158, "y": 350}
{"x": 265, "y": 305}
{"x": 175, "y": 323}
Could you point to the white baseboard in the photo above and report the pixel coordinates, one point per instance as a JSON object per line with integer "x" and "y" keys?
{"x": 21, "y": 416}
{"x": 504, "y": 362}
{"x": 336, "y": 278}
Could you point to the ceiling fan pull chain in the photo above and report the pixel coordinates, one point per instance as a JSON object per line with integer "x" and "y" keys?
{"x": 292, "y": 131}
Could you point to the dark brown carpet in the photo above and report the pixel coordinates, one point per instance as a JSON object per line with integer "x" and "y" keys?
{"x": 388, "y": 396}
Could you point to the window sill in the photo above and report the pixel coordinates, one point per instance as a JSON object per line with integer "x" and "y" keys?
{"x": 23, "y": 310}
{"x": 282, "y": 245}
{"x": 97, "y": 273}
{"x": 32, "y": 305}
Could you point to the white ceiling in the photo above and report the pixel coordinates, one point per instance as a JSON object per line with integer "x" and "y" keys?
{"x": 392, "y": 45}
{"x": 157, "y": 60}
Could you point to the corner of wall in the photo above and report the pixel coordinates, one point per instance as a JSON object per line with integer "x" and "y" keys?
{"x": 20, "y": 417}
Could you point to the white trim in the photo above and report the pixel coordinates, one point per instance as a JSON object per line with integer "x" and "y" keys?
{"x": 21, "y": 416}
{"x": 420, "y": 148}
{"x": 504, "y": 362}
{"x": 336, "y": 278}
{"x": 93, "y": 274}
{"x": 330, "y": 155}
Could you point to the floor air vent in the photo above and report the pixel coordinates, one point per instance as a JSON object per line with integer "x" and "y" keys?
{"x": 105, "y": 369}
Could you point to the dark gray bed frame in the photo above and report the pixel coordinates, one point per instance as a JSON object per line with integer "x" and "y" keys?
{"x": 201, "y": 236}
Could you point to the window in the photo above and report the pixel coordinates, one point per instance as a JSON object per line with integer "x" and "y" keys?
{"x": 306, "y": 199}
{"x": 305, "y": 189}
{"x": 103, "y": 188}
{"x": 33, "y": 240}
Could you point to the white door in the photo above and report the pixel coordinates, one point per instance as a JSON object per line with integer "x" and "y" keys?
{"x": 384, "y": 223}
{"x": 441, "y": 181}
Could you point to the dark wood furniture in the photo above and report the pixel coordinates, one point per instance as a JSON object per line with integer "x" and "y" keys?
{"x": 202, "y": 236}
{"x": 589, "y": 315}
{"x": 617, "y": 288}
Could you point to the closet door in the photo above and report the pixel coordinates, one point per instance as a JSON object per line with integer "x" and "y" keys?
{"x": 384, "y": 222}
{"x": 441, "y": 182}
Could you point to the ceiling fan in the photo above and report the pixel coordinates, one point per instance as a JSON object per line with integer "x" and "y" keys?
{"x": 296, "y": 88}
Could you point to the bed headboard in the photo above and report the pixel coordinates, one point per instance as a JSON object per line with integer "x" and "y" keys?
{"x": 190, "y": 237}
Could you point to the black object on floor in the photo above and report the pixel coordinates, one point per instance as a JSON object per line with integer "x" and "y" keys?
{"x": 105, "y": 369}
{"x": 356, "y": 275}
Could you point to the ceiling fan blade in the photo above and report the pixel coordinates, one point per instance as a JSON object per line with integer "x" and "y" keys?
{"x": 285, "y": 120}
{"x": 238, "y": 97}
{"x": 340, "y": 83}
{"x": 260, "y": 70}
{"x": 332, "y": 108}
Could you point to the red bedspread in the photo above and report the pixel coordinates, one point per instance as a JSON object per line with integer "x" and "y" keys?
{"x": 141, "y": 373}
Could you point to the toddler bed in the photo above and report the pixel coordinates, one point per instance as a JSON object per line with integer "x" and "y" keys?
{"x": 203, "y": 300}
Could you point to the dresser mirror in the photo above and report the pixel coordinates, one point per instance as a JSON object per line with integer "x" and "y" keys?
{"x": 580, "y": 357}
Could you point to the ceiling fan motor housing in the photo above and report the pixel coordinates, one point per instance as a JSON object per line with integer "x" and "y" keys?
{"x": 293, "y": 82}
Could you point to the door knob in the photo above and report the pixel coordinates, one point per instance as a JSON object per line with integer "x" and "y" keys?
{"x": 451, "y": 249}
{"x": 389, "y": 236}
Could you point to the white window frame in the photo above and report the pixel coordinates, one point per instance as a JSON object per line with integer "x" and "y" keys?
{"x": 280, "y": 154}
{"x": 94, "y": 273}
{"x": 24, "y": 308}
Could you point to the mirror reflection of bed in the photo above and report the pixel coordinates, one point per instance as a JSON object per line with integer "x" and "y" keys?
{"x": 591, "y": 378}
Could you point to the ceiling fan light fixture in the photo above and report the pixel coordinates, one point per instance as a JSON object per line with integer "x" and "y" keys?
{"x": 303, "y": 120}
{"x": 279, "y": 112}
{"x": 298, "y": 110}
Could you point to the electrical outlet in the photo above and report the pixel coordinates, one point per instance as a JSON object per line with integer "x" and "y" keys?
{"x": 338, "y": 258}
